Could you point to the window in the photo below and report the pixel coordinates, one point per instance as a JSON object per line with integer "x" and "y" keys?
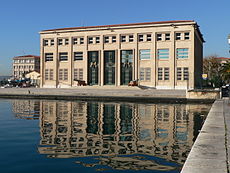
{"x": 51, "y": 74}
{"x": 113, "y": 39}
{"x": 66, "y": 41}
{"x": 149, "y": 37}
{"x": 123, "y": 38}
{"x": 178, "y": 73}
{"x": 90, "y": 40}
{"x": 65, "y": 74}
{"x": 106, "y": 39}
{"x": 48, "y": 56}
{"x": 60, "y": 42}
{"x": 81, "y": 40}
{"x": 130, "y": 38}
{"x": 78, "y": 56}
{"x": 186, "y": 73}
{"x": 160, "y": 74}
{"x": 45, "y": 42}
{"x": 51, "y": 42}
{"x": 166, "y": 73}
{"x": 182, "y": 53}
{"x": 163, "y": 53}
{"x": 63, "y": 56}
{"x": 186, "y": 36}
{"x": 142, "y": 74}
{"x": 60, "y": 74}
{"x": 97, "y": 39}
{"x": 145, "y": 54}
{"x": 75, "y": 40}
{"x": 147, "y": 74}
{"x": 178, "y": 36}
{"x": 140, "y": 38}
{"x": 46, "y": 74}
{"x": 78, "y": 74}
{"x": 159, "y": 37}
{"x": 167, "y": 36}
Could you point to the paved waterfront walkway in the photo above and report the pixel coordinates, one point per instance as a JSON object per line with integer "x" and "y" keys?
{"x": 100, "y": 93}
{"x": 211, "y": 150}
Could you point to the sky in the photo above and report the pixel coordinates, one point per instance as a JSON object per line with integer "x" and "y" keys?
{"x": 22, "y": 20}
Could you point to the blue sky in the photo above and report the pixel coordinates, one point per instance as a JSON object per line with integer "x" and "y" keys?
{"x": 21, "y": 20}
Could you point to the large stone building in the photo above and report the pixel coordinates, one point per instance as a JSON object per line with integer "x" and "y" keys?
{"x": 25, "y": 64}
{"x": 165, "y": 54}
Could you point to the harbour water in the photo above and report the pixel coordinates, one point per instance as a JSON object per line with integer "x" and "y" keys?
{"x": 75, "y": 136}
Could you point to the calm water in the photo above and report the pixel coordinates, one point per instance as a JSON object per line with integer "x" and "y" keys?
{"x": 65, "y": 136}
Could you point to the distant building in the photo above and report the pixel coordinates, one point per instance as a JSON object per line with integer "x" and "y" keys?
{"x": 25, "y": 64}
{"x": 222, "y": 60}
{"x": 165, "y": 55}
{"x": 34, "y": 77}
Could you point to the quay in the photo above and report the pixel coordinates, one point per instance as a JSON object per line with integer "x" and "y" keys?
{"x": 210, "y": 152}
{"x": 109, "y": 93}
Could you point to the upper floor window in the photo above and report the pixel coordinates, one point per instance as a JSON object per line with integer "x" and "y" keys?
{"x": 149, "y": 37}
{"x": 81, "y": 40}
{"x": 182, "y": 53}
{"x": 48, "y": 56}
{"x": 167, "y": 36}
{"x": 75, "y": 40}
{"x": 63, "y": 56}
{"x": 106, "y": 39}
{"x": 159, "y": 37}
{"x": 123, "y": 38}
{"x": 45, "y": 42}
{"x": 60, "y": 41}
{"x": 78, "y": 56}
{"x": 163, "y": 53}
{"x": 51, "y": 42}
{"x": 145, "y": 54}
{"x": 131, "y": 38}
{"x": 113, "y": 39}
{"x": 140, "y": 38}
{"x": 90, "y": 40}
{"x": 97, "y": 39}
{"x": 186, "y": 36}
{"x": 178, "y": 36}
{"x": 66, "y": 41}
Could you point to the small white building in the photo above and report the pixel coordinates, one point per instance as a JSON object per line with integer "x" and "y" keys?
{"x": 34, "y": 76}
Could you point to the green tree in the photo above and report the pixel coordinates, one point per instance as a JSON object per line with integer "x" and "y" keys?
{"x": 213, "y": 68}
{"x": 225, "y": 73}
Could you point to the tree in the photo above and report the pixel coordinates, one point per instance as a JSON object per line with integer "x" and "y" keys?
{"x": 213, "y": 68}
{"x": 225, "y": 73}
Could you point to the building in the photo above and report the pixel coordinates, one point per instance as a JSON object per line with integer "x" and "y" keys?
{"x": 222, "y": 60}
{"x": 34, "y": 78}
{"x": 165, "y": 55}
{"x": 25, "y": 64}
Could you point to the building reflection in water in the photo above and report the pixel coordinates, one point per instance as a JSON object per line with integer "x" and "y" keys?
{"x": 26, "y": 109}
{"x": 120, "y": 135}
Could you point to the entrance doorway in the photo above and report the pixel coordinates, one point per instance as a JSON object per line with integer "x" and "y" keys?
{"x": 109, "y": 67}
{"x": 93, "y": 67}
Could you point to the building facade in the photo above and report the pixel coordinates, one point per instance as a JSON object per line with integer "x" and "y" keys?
{"x": 165, "y": 55}
{"x": 25, "y": 64}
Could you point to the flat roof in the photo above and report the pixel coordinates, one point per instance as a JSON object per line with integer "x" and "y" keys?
{"x": 27, "y": 56}
{"x": 129, "y": 24}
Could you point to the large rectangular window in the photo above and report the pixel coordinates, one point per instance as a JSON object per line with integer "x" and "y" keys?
{"x": 144, "y": 54}
{"x": 78, "y": 56}
{"x": 51, "y": 74}
{"x": 182, "y": 53}
{"x": 63, "y": 56}
{"x": 163, "y": 53}
{"x": 63, "y": 74}
{"x": 48, "y": 56}
{"x": 46, "y": 74}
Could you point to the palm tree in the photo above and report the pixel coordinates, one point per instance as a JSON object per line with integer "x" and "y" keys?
{"x": 225, "y": 72}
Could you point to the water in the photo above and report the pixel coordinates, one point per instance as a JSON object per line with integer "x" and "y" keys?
{"x": 65, "y": 136}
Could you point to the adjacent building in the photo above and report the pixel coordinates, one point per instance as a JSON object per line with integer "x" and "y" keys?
{"x": 165, "y": 55}
{"x": 25, "y": 64}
